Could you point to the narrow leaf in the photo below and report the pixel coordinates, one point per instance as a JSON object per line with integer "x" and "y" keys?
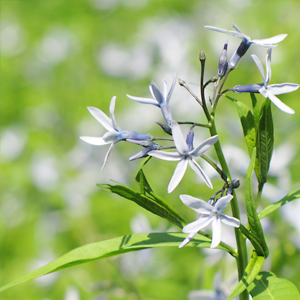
{"x": 288, "y": 198}
{"x": 267, "y": 286}
{"x": 264, "y": 143}
{"x": 252, "y": 238}
{"x": 248, "y": 124}
{"x": 112, "y": 247}
{"x": 154, "y": 205}
{"x": 141, "y": 178}
{"x": 252, "y": 270}
{"x": 254, "y": 223}
{"x": 256, "y": 110}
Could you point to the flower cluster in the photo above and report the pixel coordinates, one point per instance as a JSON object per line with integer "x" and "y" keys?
{"x": 185, "y": 153}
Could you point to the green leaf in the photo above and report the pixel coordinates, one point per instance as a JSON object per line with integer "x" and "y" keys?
{"x": 267, "y": 286}
{"x": 256, "y": 110}
{"x": 112, "y": 247}
{"x": 153, "y": 204}
{"x": 252, "y": 270}
{"x": 252, "y": 238}
{"x": 141, "y": 178}
{"x": 254, "y": 223}
{"x": 248, "y": 124}
{"x": 288, "y": 198}
{"x": 264, "y": 143}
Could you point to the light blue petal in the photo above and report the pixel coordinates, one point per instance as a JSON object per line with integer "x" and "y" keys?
{"x": 216, "y": 233}
{"x": 112, "y": 113}
{"x": 231, "y": 221}
{"x": 197, "y": 225}
{"x": 97, "y": 141}
{"x": 283, "y": 88}
{"x": 234, "y": 33}
{"x": 200, "y": 172}
{"x": 222, "y": 203}
{"x": 203, "y": 147}
{"x": 157, "y": 93}
{"x": 171, "y": 89}
{"x": 171, "y": 156}
{"x": 270, "y": 41}
{"x": 280, "y": 104}
{"x": 179, "y": 140}
{"x": 143, "y": 100}
{"x": 178, "y": 175}
{"x": 188, "y": 239}
{"x": 196, "y": 204}
{"x": 102, "y": 118}
{"x": 260, "y": 67}
{"x": 107, "y": 155}
{"x": 268, "y": 66}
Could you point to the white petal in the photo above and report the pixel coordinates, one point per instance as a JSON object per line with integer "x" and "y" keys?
{"x": 237, "y": 34}
{"x": 102, "y": 118}
{"x": 179, "y": 140}
{"x": 171, "y": 89}
{"x": 283, "y": 88}
{"x": 171, "y": 156}
{"x": 165, "y": 89}
{"x": 157, "y": 93}
{"x": 197, "y": 225}
{"x": 143, "y": 100}
{"x": 196, "y": 204}
{"x": 270, "y": 41}
{"x": 200, "y": 172}
{"x": 260, "y": 67}
{"x": 203, "y": 147}
{"x": 216, "y": 233}
{"x": 268, "y": 66}
{"x": 97, "y": 141}
{"x": 222, "y": 203}
{"x": 188, "y": 239}
{"x": 112, "y": 113}
{"x": 178, "y": 174}
{"x": 231, "y": 221}
{"x": 107, "y": 154}
{"x": 280, "y": 104}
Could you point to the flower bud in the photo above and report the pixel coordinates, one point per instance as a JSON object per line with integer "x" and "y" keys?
{"x": 166, "y": 128}
{"x": 223, "y": 61}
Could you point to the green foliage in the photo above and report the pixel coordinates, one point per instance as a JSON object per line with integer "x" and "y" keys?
{"x": 113, "y": 247}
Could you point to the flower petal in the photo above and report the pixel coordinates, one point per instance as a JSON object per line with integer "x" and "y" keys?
{"x": 179, "y": 140}
{"x": 188, "y": 239}
{"x": 107, "y": 154}
{"x": 112, "y": 113}
{"x": 171, "y": 89}
{"x": 143, "y": 100}
{"x": 102, "y": 118}
{"x": 96, "y": 141}
{"x": 216, "y": 233}
{"x": 234, "y": 33}
{"x": 280, "y": 104}
{"x": 283, "y": 88}
{"x": 196, "y": 204}
{"x": 171, "y": 156}
{"x": 157, "y": 93}
{"x": 268, "y": 66}
{"x": 200, "y": 172}
{"x": 197, "y": 225}
{"x": 270, "y": 41}
{"x": 259, "y": 66}
{"x": 231, "y": 221}
{"x": 203, "y": 147}
{"x": 222, "y": 203}
{"x": 178, "y": 175}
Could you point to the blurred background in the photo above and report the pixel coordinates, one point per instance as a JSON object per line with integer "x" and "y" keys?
{"x": 57, "y": 58}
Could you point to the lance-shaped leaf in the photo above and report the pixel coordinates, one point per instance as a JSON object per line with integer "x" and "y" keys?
{"x": 113, "y": 247}
{"x": 248, "y": 124}
{"x": 155, "y": 205}
{"x": 254, "y": 223}
{"x": 274, "y": 206}
{"x": 267, "y": 286}
{"x": 252, "y": 270}
{"x": 264, "y": 143}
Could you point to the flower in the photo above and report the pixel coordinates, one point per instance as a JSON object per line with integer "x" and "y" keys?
{"x": 184, "y": 155}
{"x": 269, "y": 91}
{"x": 160, "y": 99}
{"x": 114, "y": 134}
{"x": 209, "y": 213}
{"x": 247, "y": 42}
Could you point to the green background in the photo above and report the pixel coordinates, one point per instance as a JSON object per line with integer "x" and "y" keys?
{"x": 57, "y": 58}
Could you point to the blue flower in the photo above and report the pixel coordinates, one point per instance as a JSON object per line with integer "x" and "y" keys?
{"x": 114, "y": 134}
{"x": 185, "y": 156}
{"x": 159, "y": 99}
{"x": 247, "y": 42}
{"x": 269, "y": 91}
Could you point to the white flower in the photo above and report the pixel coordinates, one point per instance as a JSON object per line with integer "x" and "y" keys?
{"x": 209, "y": 213}
{"x": 184, "y": 155}
{"x": 114, "y": 134}
{"x": 159, "y": 99}
{"x": 269, "y": 91}
{"x": 247, "y": 42}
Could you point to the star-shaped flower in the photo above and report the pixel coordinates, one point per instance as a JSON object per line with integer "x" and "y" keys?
{"x": 209, "y": 213}
{"x": 159, "y": 99}
{"x": 269, "y": 91}
{"x": 247, "y": 42}
{"x": 114, "y": 134}
{"x": 184, "y": 155}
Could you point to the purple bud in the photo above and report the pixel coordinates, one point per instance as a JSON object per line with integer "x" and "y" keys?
{"x": 251, "y": 88}
{"x": 166, "y": 128}
{"x": 242, "y": 49}
{"x": 223, "y": 61}
{"x": 190, "y": 140}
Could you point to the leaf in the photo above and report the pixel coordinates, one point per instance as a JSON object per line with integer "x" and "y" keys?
{"x": 254, "y": 223}
{"x": 152, "y": 204}
{"x": 248, "y": 124}
{"x": 141, "y": 178}
{"x": 256, "y": 110}
{"x": 267, "y": 286}
{"x": 252, "y": 238}
{"x": 252, "y": 270}
{"x": 112, "y": 247}
{"x": 264, "y": 143}
{"x": 288, "y": 198}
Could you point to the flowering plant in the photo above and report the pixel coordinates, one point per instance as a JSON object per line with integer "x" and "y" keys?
{"x": 257, "y": 125}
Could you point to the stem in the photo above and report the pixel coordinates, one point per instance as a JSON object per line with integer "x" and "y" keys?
{"x": 195, "y": 124}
